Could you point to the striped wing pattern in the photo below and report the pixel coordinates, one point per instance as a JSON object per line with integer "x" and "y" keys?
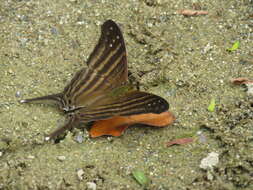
{"x": 88, "y": 96}
{"x": 131, "y": 103}
{"x": 107, "y": 69}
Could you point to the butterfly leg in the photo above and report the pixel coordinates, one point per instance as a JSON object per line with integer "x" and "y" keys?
{"x": 70, "y": 124}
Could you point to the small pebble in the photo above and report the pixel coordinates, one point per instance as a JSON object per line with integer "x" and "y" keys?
{"x": 209, "y": 176}
{"x": 110, "y": 139}
{"x": 211, "y": 160}
{"x": 202, "y": 138}
{"x": 80, "y": 173}
{"x": 30, "y": 157}
{"x": 23, "y": 41}
{"x": 150, "y": 25}
{"x": 250, "y": 89}
{"x": 54, "y": 31}
{"x": 79, "y": 138}
{"x": 1, "y": 154}
{"x": 10, "y": 72}
{"x": 207, "y": 48}
{"x": 91, "y": 185}
{"x": 18, "y": 94}
{"x": 61, "y": 158}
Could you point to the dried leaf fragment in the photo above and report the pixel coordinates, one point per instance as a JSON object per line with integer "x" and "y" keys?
{"x": 180, "y": 141}
{"x": 241, "y": 80}
{"x": 245, "y": 81}
{"x": 188, "y": 12}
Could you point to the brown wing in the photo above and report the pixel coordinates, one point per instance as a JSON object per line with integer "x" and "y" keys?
{"x": 107, "y": 69}
{"x": 131, "y": 103}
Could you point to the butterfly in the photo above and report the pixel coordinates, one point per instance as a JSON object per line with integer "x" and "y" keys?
{"x": 102, "y": 94}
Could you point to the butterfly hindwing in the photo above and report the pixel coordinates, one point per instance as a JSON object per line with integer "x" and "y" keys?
{"x": 131, "y": 103}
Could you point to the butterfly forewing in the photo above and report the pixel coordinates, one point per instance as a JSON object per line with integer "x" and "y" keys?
{"x": 131, "y": 103}
{"x": 110, "y": 53}
{"x": 107, "y": 68}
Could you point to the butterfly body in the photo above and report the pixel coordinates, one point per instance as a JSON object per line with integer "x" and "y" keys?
{"x": 101, "y": 92}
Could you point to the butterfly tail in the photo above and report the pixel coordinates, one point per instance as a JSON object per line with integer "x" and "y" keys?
{"x": 55, "y": 98}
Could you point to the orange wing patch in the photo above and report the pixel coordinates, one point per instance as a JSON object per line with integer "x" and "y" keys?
{"x": 115, "y": 126}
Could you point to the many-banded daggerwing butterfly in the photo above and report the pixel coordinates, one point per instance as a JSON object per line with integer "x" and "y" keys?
{"x": 100, "y": 92}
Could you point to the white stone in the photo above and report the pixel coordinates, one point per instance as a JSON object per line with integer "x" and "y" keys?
{"x": 80, "y": 173}
{"x": 91, "y": 185}
{"x": 30, "y": 157}
{"x": 61, "y": 158}
{"x": 250, "y": 89}
{"x": 211, "y": 160}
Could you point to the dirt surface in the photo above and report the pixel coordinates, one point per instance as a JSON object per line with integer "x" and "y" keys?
{"x": 43, "y": 43}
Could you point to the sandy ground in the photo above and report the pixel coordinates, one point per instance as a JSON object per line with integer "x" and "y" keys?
{"x": 43, "y": 43}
